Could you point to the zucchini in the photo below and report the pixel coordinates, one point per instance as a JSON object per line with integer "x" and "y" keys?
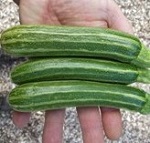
{"x": 78, "y": 69}
{"x": 74, "y": 93}
{"x": 58, "y": 41}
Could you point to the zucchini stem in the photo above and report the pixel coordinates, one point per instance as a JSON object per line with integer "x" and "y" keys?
{"x": 144, "y": 75}
{"x": 146, "y": 107}
{"x": 143, "y": 59}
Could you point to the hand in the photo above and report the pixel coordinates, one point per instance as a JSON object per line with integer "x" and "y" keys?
{"x": 98, "y": 13}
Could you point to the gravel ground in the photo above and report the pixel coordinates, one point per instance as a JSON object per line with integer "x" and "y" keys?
{"x": 136, "y": 126}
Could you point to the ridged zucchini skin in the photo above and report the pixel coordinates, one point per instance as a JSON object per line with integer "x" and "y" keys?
{"x": 61, "y": 94}
{"x": 41, "y": 41}
{"x": 49, "y": 69}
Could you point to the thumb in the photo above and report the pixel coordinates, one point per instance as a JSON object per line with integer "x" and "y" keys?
{"x": 116, "y": 19}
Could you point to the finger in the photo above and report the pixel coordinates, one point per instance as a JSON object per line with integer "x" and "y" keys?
{"x": 111, "y": 118}
{"x": 90, "y": 121}
{"x": 20, "y": 119}
{"x": 116, "y": 18}
{"x": 112, "y": 123}
{"x": 53, "y": 127}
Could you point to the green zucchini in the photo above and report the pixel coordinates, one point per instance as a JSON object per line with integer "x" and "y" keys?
{"x": 58, "y": 41}
{"x": 74, "y": 93}
{"x": 78, "y": 69}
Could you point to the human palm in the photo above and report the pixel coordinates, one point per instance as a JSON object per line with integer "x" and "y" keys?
{"x": 99, "y": 13}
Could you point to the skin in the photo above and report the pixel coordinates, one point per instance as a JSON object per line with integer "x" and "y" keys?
{"x": 94, "y": 121}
